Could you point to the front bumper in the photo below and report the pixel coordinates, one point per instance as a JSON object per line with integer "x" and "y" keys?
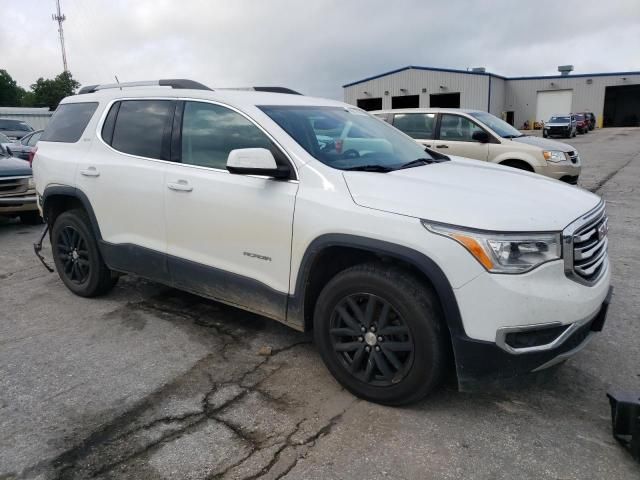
{"x": 17, "y": 204}
{"x": 565, "y": 171}
{"x": 480, "y": 363}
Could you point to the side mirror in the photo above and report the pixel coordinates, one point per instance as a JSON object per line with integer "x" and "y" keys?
{"x": 255, "y": 161}
{"x": 480, "y": 136}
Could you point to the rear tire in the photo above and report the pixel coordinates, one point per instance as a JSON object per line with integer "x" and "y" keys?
{"x": 401, "y": 354}
{"x": 77, "y": 257}
{"x": 31, "y": 218}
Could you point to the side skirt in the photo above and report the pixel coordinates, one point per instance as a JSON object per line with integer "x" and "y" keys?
{"x": 203, "y": 280}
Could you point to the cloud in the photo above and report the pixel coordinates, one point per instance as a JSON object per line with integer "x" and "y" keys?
{"x": 313, "y": 46}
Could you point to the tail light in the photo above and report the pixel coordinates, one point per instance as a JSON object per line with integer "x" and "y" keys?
{"x": 32, "y": 154}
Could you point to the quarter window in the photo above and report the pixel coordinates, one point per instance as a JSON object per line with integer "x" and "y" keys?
{"x": 210, "y": 132}
{"x": 142, "y": 128}
{"x": 457, "y": 128}
{"x": 68, "y": 122}
{"x": 416, "y": 125}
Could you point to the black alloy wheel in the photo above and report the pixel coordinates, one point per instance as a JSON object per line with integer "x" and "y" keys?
{"x": 72, "y": 250}
{"x": 371, "y": 339}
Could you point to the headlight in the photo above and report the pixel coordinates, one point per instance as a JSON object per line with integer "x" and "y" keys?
{"x": 31, "y": 184}
{"x": 504, "y": 252}
{"x": 555, "y": 156}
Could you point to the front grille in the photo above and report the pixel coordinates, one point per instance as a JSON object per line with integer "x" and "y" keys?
{"x": 588, "y": 239}
{"x": 13, "y": 185}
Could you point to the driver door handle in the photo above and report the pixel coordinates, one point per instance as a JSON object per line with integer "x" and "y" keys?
{"x": 442, "y": 146}
{"x": 90, "y": 172}
{"x": 180, "y": 186}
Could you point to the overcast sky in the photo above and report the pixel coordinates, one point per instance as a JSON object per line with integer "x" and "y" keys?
{"x": 314, "y": 46}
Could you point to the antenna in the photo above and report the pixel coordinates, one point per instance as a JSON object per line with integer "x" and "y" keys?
{"x": 59, "y": 17}
{"x": 118, "y": 81}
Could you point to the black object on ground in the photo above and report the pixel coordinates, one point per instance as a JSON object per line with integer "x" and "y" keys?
{"x": 625, "y": 419}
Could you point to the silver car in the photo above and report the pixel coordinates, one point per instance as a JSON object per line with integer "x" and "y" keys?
{"x": 14, "y": 129}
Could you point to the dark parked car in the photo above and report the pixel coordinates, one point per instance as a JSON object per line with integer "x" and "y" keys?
{"x": 560, "y": 126}
{"x": 582, "y": 124}
{"x": 26, "y": 145}
{"x": 591, "y": 118}
{"x": 17, "y": 192}
{"x": 14, "y": 129}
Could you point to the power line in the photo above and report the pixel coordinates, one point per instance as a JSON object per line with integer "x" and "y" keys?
{"x": 59, "y": 17}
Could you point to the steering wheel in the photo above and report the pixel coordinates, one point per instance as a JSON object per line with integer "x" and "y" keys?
{"x": 351, "y": 153}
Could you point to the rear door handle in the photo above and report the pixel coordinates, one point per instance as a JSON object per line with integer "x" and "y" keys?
{"x": 180, "y": 186}
{"x": 90, "y": 172}
{"x": 442, "y": 146}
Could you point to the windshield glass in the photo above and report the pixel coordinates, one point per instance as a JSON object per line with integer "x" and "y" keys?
{"x": 347, "y": 138}
{"x": 4, "y": 138}
{"x": 579, "y": 117}
{"x": 501, "y": 127}
{"x": 14, "y": 125}
{"x": 559, "y": 120}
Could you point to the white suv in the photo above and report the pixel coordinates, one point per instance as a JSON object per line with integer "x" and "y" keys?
{"x": 402, "y": 261}
{"x": 482, "y": 136}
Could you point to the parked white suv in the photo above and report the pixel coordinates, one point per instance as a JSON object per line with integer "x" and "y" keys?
{"x": 483, "y": 136}
{"x": 395, "y": 257}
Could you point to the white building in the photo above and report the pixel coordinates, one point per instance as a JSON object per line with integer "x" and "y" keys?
{"x": 613, "y": 97}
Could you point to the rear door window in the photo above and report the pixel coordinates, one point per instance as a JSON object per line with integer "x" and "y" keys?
{"x": 68, "y": 122}
{"x": 143, "y": 127}
{"x": 416, "y": 125}
{"x": 457, "y": 128}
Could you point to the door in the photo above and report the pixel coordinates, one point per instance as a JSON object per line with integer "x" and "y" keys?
{"x": 444, "y": 100}
{"x": 509, "y": 118}
{"x": 370, "y": 103}
{"x": 405, "y": 101}
{"x": 228, "y": 236}
{"x": 124, "y": 181}
{"x": 420, "y": 126}
{"x": 455, "y": 137}
{"x": 622, "y": 106}
{"x": 553, "y": 102}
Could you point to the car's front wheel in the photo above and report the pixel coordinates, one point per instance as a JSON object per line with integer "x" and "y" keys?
{"x": 77, "y": 257}
{"x": 379, "y": 331}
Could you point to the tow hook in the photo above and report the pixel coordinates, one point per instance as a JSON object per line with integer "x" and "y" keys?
{"x": 37, "y": 248}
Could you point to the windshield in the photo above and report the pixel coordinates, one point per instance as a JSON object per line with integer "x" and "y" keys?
{"x": 348, "y": 138}
{"x": 501, "y": 127}
{"x": 579, "y": 116}
{"x": 559, "y": 120}
{"x": 14, "y": 125}
{"x": 4, "y": 138}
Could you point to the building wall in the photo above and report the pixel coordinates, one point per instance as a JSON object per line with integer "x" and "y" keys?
{"x": 521, "y": 95}
{"x": 516, "y": 94}
{"x": 473, "y": 88}
{"x": 36, "y": 117}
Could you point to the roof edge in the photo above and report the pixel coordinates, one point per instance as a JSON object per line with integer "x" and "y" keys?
{"x": 487, "y": 74}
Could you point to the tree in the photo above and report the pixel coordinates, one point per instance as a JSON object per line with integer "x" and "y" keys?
{"x": 10, "y": 93}
{"x": 49, "y": 92}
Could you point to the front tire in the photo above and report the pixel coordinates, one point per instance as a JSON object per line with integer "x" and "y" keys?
{"x": 379, "y": 331}
{"x": 77, "y": 257}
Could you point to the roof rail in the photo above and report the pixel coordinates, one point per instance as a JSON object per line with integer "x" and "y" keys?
{"x": 178, "y": 83}
{"x": 264, "y": 89}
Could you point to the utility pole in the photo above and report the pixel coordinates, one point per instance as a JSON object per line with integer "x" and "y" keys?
{"x": 59, "y": 17}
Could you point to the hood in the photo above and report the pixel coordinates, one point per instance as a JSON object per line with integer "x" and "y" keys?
{"x": 545, "y": 143}
{"x": 473, "y": 194}
{"x": 14, "y": 167}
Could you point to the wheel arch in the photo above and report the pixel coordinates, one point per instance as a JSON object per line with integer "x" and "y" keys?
{"x": 518, "y": 163}
{"x": 60, "y": 198}
{"x": 347, "y": 250}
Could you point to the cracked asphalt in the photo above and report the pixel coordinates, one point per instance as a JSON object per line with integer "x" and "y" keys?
{"x": 150, "y": 382}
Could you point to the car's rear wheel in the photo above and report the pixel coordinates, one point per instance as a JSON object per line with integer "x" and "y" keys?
{"x": 379, "y": 331}
{"x": 77, "y": 257}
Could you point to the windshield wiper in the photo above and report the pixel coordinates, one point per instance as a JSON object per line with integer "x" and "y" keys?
{"x": 417, "y": 163}
{"x": 369, "y": 168}
{"x": 514, "y": 136}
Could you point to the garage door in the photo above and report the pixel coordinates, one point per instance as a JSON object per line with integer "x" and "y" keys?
{"x": 622, "y": 106}
{"x": 552, "y": 103}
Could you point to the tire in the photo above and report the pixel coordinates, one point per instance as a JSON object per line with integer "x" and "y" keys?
{"x": 544, "y": 135}
{"x": 358, "y": 298}
{"x": 77, "y": 257}
{"x": 519, "y": 164}
{"x": 31, "y": 218}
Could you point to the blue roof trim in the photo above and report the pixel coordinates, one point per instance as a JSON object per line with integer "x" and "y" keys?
{"x": 486, "y": 74}
{"x": 578, "y": 75}
{"x": 431, "y": 69}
